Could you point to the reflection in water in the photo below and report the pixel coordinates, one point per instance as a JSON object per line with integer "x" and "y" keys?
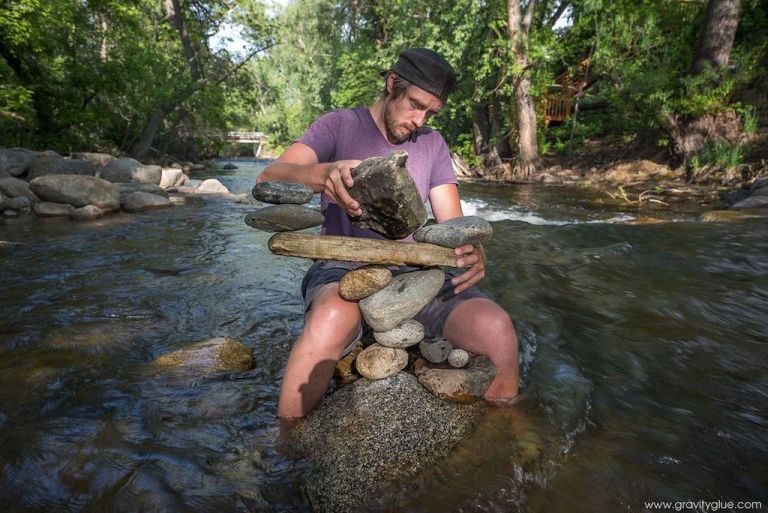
{"x": 644, "y": 353}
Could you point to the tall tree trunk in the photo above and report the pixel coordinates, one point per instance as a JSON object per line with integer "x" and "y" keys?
{"x": 518, "y": 25}
{"x": 720, "y": 24}
{"x": 144, "y": 142}
{"x": 691, "y": 136}
{"x": 176, "y": 20}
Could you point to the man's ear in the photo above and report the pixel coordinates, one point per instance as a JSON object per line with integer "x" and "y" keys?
{"x": 390, "y": 83}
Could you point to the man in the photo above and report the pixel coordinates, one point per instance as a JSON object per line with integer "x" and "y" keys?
{"x": 416, "y": 88}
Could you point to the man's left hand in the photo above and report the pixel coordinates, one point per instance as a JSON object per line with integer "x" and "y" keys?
{"x": 471, "y": 257}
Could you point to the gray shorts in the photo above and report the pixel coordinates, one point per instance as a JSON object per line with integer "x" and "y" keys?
{"x": 432, "y": 316}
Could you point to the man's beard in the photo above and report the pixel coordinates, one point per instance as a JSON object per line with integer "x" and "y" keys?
{"x": 390, "y": 125}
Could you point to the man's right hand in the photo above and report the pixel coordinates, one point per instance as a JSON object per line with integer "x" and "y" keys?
{"x": 338, "y": 179}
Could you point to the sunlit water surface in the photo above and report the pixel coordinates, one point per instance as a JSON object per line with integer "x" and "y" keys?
{"x": 645, "y": 353}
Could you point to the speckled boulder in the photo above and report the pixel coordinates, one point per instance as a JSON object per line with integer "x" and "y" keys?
{"x": 364, "y": 281}
{"x": 16, "y": 161}
{"x": 131, "y": 170}
{"x": 374, "y": 437}
{"x": 141, "y": 201}
{"x": 388, "y": 197}
{"x": 17, "y": 188}
{"x": 45, "y": 166}
{"x": 281, "y": 218}
{"x": 456, "y": 232}
{"x": 76, "y": 190}
{"x": 214, "y": 354}
{"x": 282, "y": 192}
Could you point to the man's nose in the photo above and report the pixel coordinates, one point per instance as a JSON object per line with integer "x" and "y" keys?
{"x": 419, "y": 118}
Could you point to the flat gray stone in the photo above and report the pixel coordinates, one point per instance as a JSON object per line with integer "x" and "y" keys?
{"x": 388, "y": 197}
{"x": 364, "y": 281}
{"x": 456, "y": 232}
{"x": 409, "y": 333}
{"x": 50, "y": 209}
{"x": 126, "y": 170}
{"x": 379, "y": 362}
{"x": 282, "y": 218}
{"x": 76, "y": 190}
{"x": 45, "y": 166}
{"x": 87, "y": 213}
{"x": 282, "y": 192}
{"x": 141, "y": 201}
{"x": 399, "y": 301}
{"x": 436, "y": 349}
{"x": 17, "y": 188}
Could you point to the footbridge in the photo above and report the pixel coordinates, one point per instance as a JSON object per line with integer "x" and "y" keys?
{"x": 258, "y": 139}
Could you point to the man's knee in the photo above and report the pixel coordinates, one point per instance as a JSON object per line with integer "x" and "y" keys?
{"x": 332, "y": 319}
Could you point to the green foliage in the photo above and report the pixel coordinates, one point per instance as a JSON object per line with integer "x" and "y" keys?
{"x": 719, "y": 154}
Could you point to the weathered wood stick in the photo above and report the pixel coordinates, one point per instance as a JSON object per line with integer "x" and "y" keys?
{"x": 354, "y": 249}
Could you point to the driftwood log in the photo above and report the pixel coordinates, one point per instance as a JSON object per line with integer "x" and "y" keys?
{"x": 354, "y": 249}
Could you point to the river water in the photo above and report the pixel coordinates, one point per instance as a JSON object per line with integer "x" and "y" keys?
{"x": 645, "y": 355}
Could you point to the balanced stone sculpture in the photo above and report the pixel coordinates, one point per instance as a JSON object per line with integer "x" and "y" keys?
{"x": 281, "y": 218}
{"x": 456, "y": 232}
{"x": 388, "y": 197}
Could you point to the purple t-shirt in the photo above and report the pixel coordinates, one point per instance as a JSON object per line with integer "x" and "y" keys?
{"x": 352, "y": 134}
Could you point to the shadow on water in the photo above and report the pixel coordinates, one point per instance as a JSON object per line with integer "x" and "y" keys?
{"x": 644, "y": 351}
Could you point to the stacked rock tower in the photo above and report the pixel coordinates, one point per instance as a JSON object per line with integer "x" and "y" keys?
{"x": 391, "y": 206}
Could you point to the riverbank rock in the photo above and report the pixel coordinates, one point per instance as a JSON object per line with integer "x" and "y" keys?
{"x": 456, "y": 232}
{"x": 126, "y": 170}
{"x": 51, "y": 209}
{"x": 14, "y": 204}
{"x": 141, "y": 201}
{"x": 364, "y": 281}
{"x": 97, "y": 159}
{"x": 212, "y": 186}
{"x": 76, "y": 190}
{"x": 17, "y": 188}
{"x": 214, "y": 354}
{"x": 282, "y": 192}
{"x": 127, "y": 188}
{"x": 171, "y": 177}
{"x": 753, "y": 202}
{"x": 281, "y": 218}
{"x": 375, "y": 435}
{"x": 399, "y": 301}
{"x": 436, "y": 349}
{"x": 379, "y": 362}
{"x": 228, "y": 166}
{"x": 45, "y": 166}
{"x": 16, "y": 161}
{"x": 727, "y": 216}
{"x": 388, "y": 196}
{"x": 409, "y": 333}
{"x": 87, "y": 213}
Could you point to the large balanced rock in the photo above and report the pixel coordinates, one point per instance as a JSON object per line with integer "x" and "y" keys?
{"x": 401, "y": 299}
{"x": 409, "y": 333}
{"x": 281, "y": 218}
{"x": 379, "y": 362}
{"x": 17, "y": 188}
{"x": 456, "y": 232}
{"x": 364, "y": 281}
{"x": 130, "y": 170}
{"x": 142, "y": 201}
{"x": 374, "y": 436}
{"x": 16, "y": 161}
{"x": 388, "y": 196}
{"x": 76, "y": 190}
{"x": 214, "y": 354}
{"x": 60, "y": 166}
{"x": 282, "y": 192}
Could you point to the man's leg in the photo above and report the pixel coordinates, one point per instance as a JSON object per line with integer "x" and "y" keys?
{"x": 331, "y": 325}
{"x": 479, "y": 325}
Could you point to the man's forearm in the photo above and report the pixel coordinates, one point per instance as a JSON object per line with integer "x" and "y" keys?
{"x": 313, "y": 175}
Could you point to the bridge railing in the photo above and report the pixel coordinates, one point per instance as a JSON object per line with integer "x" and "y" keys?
{"x": 247, "y": 136}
